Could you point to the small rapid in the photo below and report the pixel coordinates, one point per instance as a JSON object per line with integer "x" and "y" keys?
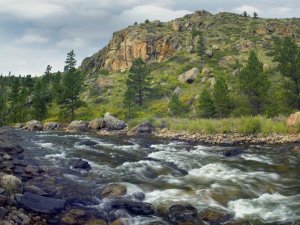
{"x": 260, "y": 184}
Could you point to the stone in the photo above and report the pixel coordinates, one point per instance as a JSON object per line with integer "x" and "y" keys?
{"x": 74, "y": 216}
{"x": 214, "y": 217}
{"x": 3, "y": 213}
{"x": 132, "y": 207}
{"x": 97, "y": 124}
{"x": 34, "y": 190}
{"x": 144, "y": 128}
{"x": 33, "y": 125}
{"x": 78, "y": 126}
{"x": 113, "y": 191}
{"x": 293, "y": 120}
{"x": 233, "y": 152}
{"x": 80, "y": 164}
{"x": 11, "y": 184}
{"x": 183, "y": 213}
{"x": 52, "y": 126}
{"x": 215, "y": 47}
{"x": 10, "y": 148}
{"x": 209, "y": 53}
{"x": 177, "y": 26}
{"x": 3, "y": 200}
{"x": 40, "y": 204}
{"x": 206, "y": 71}
{"x": 113, "y": 123}
{"x": 189, "y": 76}
{"x": 95, "y": 222}
{"x": 227, "y": 62}
{"x": 87, "y": 143}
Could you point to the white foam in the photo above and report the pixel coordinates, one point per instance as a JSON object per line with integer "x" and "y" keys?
{"x": 257, "y": 158}
{"x": 56, "y": 156}
{"x": 45, "y": 145}
{"x": 268, "y": 207}
{"x": 140, "y": 167}
{"x": 218, "y": 171}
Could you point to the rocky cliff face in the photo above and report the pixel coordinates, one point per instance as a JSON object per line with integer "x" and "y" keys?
{"x": 156, "y": 41}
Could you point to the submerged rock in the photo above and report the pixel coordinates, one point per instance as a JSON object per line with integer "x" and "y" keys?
{"x": 80, "y": 164}
{"x": 183, "y": 213}
{"x": 132, "y": 207}
{"x": 74, "y": 216}
{"x": 40, "y": 204}
{"x": 113, "y": 123}
{"x": 113, "y": 191}
{"x": 233, "y": 152}
{"x": 87, "y": 143}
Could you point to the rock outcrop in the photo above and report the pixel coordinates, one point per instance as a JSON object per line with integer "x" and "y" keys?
{"x": 189, "y": 76}
{"x": 113, "y": 123}
{"x": 293, "y": 120}
{"x": 78, "y": 126}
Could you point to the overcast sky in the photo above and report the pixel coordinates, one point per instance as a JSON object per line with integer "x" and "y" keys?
{"x": 35, "y": 33}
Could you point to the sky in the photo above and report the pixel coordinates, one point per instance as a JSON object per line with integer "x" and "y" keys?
{"x": 36, "y": 33}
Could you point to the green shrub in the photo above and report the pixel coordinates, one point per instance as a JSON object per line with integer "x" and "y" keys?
{"x": 250, "y": 125}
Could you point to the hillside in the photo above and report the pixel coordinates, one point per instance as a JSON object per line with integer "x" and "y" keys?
{"x": 170, "y": 47}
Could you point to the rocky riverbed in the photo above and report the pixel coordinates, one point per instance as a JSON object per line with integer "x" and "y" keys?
{"x": 81, "y": 178}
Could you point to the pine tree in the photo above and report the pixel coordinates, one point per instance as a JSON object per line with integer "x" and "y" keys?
{"x": 255, "y": 15}
{"x": 72, "y": 83}
{"x": 206, "y": 106}
{"x": 287, "y": 54}
{"x": 245, "y": 14}
{"x": 39, "y": 102}
{"x": 175, "y": 105}
{"x": 254, "y": 83}
{"x": 221, "y": 97}
{"x": 201, "y": 48}
{"x": 138, "y": 82}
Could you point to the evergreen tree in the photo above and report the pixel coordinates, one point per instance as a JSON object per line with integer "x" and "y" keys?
{"x": 39, "y": 102}
{"x": 175, "y": 105}
{"x": 255, "y": 15}
{"x": 70, "y": 61}
{"x": 72, "y": 83}
{"x": 221, "y": 97}
{"x": 245, "y": 14}
{"x": 287, "y": 54}
{"x": 254, "y": 83}
{"x": 206, "y": 106}
{"x": 56, "y": 88}
{"x": 138, "y": 82}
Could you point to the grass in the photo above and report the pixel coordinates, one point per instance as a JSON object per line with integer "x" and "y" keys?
{"x": 242, "y": 125}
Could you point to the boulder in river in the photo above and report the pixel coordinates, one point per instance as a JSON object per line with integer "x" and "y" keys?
{"x": 33, "y": 125}
{"x": 40, "y": 204}
{"x": 10, "y": 148}
{"x": 87, "y": 143}
{"x": 183, "y": 213}
{"x": 233, "y": 152}
{"x": 80, "y": 164}
{"x": 52, "y": 126}
{"x": 74, "y": 216}
{"x": 78, "y": 126}
{"x": 133, "y": 207}
{"x": 97, "y": 124}
{"x": 11, "y": 184}
{"x": 113, "y": 191}
{"x": 144, "y": 128}
{"x": 113, "y": 123}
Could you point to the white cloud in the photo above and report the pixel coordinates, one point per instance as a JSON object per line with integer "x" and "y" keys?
{"x": 31, "y": 39}
{"x": 248, "y": 8}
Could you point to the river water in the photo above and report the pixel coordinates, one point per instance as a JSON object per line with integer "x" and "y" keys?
{"x": 262, "y": 184}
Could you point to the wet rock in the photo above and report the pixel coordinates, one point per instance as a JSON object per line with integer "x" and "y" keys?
{"x": 3, "y": 200}
{"x": 189, "y": 76}
{"x": 214, "y": 217}
{"x": 97, "y": 124}
{"x": 52, "y": 126}
{"x": 144, "y": 128}
{"x": 3, "y": 213}
{"x": 74, "y": 216}
{"x": 11, "y": 184}
{"x": 33, "y": 125}
{"x": 113, "y": 123}
{"x": 19, "y": 125}
{"x": 19, "y": 217}
{"x": 34, "y": 190}
{"x": 233, "y": 152}
{"x": 132, "y": 207}
{"x": 10, "y": 148}
{"x": 183, "y": 213}
{"x": 80, "y": 164}
{"x": 95, "y": 222}
{"x": 78, "y": 126}
{"x": 113, "y": 191}
{"x": 40, "y": 204}
{"x": 122, "y": 221}
{"x": 87, "y": 143}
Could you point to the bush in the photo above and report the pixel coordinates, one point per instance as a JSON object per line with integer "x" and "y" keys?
{"x": 250, "y": 125}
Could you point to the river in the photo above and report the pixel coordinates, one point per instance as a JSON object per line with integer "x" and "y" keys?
{"x": 261, "y": 184}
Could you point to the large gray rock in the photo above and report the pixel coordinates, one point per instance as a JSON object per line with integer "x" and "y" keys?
{"x": 34, "y": 125}
{"x": 189, "y": 76}
{"x": 97, "y": 124}
{"x": 52, "y": 126}
{"x": 40, "y": 204}
{"x": 78, "y": 126}
{"x": 113, "y": 123}
{"x": 144, "y": 128}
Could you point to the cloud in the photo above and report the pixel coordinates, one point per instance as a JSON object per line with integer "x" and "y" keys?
{"x": 35, "y": 33}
